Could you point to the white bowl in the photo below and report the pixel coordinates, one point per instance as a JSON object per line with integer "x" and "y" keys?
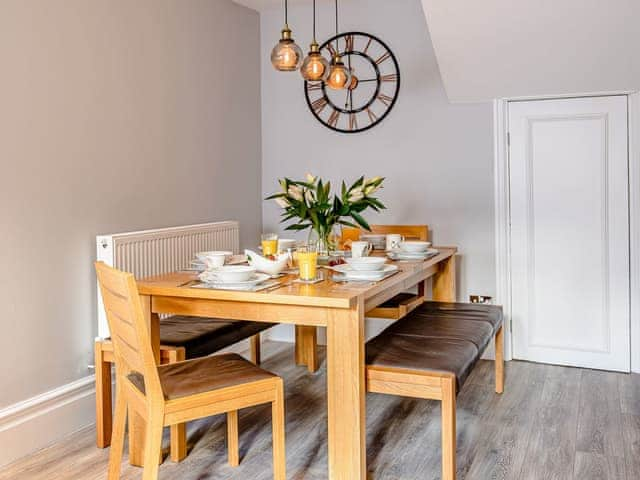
{"x": 285, "y": 244}
{"x": 270, "y": 267}
{"x": 415, "y": 246}
{"x": 366, "y": 264}
{"x": 233, "y": 273}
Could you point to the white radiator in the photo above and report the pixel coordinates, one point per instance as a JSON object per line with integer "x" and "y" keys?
{"x": 165, "y": 250}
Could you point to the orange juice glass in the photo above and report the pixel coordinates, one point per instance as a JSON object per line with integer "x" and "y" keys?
{"x": 269, "y": 244}
{"x": 308, "y": 262}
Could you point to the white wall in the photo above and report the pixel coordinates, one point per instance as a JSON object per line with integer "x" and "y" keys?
{"x": 437, "y": 157}
{"x": 116, "y": 115}
{"x": 501, "y": 48}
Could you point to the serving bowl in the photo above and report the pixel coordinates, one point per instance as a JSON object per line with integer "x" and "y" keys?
{"x": 270, "y": 267}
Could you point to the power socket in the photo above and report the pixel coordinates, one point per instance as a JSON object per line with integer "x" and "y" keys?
{"x": 484, "y": 299}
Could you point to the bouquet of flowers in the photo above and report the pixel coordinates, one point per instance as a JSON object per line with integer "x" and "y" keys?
{"x": 310, "y": 204}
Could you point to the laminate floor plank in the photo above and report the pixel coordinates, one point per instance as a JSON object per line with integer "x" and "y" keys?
{"x": 600, "y": 421}
{"x": 552, "y": 444}
{"x": 593, "y": 466}
{"x": 631, "y": 428}
{"x": 526, "y": 433}
{"x": 629, "y": 387}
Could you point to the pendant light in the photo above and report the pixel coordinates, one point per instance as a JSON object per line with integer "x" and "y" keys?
{"x": 315, "y": 67}
{"x": 339, "y": 74}
{"x": 286, "y": 56}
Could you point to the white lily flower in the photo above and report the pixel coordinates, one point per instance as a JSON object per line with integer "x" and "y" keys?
{"x": 356, "y": 195}
{"x": 371, "y": 189}
{"x": 295, "y": 192}
{"x": 309, "y": 197}
{"x": 282, "y": 202}
{"x": 310, "y": 178}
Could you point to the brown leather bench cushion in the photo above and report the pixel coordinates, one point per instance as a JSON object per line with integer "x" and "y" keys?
{"x": 204, "y": 375}
{"x": 437, "y": 337}
{"x": 204, "y": 336}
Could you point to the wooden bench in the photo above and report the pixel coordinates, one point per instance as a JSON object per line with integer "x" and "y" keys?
{"x": 181, "y": 338}
{"x": 430, "y": 353}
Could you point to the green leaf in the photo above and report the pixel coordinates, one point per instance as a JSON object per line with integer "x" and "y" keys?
{"x": 361, "y": 221}
{"x": 297, "y": 226}
{"x": 358, "y": 183}
{"x": 348, "y": 223}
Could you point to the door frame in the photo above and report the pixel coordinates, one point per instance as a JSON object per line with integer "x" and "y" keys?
{"x": 503, "y": 213}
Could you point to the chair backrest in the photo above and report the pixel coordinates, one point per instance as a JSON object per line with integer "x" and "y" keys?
{"x": 410, "y": 232}
{"x": 129, "y": 331}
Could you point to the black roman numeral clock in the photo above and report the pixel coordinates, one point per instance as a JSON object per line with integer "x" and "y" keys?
{"x": 373, "y": 89}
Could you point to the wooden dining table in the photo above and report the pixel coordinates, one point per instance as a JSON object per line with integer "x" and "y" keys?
{"x": 338, "y": 306}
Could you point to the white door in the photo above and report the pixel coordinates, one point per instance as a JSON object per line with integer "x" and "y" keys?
{"x": 570, "y": 231}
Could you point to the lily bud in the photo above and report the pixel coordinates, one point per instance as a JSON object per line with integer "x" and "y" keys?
{"x": 282, "y": 202}
{"x": 295, "y": 192}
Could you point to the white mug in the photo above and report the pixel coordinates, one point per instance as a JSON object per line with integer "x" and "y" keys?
{"x": 393, "y": 241}
{"x": 360, "y": 249}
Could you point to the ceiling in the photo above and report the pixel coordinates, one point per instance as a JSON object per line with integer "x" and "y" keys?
{"x": 264, "y": 4}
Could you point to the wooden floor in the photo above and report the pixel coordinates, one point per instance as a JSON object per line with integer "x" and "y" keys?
{"x": 551, "y": 423}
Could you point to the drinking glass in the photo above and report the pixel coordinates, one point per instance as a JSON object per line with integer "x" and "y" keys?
{"x": 269, "y": 244}
{"x": 308, "y": 261}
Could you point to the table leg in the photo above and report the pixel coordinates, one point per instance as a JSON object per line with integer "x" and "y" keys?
{"x": 306, "y": 348}
{"x": 346, "y": 393}
{"x": 444, "y": 282}
{"x": 137, "y": 425}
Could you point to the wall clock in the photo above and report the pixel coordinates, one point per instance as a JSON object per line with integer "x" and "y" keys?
{"x": 370, "y": 96}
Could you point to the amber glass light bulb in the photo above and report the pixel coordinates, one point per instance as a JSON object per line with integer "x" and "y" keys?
{"x": 339, "y": 75}
{"x": 286, "y": 56}
{"x": 315, "y": 67}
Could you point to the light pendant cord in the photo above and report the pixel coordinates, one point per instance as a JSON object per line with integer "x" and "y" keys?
{"x": 337, "y": 45}
{"x": 286, "y": 12}
{"x": 314, "y": 21}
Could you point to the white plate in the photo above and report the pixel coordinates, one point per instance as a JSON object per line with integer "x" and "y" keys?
{"x": 255, "y": 280}
{"x": 366, "y": 264}
{"x": 351, "y": 274}
{"x": 402, "y": 255}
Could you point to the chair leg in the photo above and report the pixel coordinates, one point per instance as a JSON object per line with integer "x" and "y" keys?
{"x": 278, "y": 423}
{"x": 254, "y": 345}
{"x": 232, "y": 438}
{"x": 103, "y": 397}
{"x": 448, "y": 386}
{"x": 179, "y": 431}
{"x": 153, "y": 446}
{"x": 119, "y": 425}
{"x": 499, "y": 343}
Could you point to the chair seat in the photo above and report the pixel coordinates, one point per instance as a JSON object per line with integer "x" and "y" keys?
{"x": 437, "y": 337}
{"x": 204, "y": 336}
{"x": 203, "y": 375}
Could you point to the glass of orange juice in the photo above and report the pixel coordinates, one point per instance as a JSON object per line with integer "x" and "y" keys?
{"x": 269, "y": 244}
{"x": 308, "y": 262}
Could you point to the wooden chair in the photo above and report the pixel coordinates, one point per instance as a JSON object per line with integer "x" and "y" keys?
{"x": 430, "y": 353}
{"x": 172, "y": 394}
{"x": 181, "y": 338}
{"x": 394, "y": 309}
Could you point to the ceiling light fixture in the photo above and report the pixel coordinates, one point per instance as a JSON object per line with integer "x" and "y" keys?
{"x": 339, "y": 74}
{"x": 286, "y": 56}
{"x": 315, "y": 67}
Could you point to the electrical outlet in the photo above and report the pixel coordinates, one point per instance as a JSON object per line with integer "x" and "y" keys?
{"x": 484, "y": 299}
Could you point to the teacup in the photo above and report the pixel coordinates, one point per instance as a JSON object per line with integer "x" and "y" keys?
{"x": 393, "y": 241}
{"x": 213, "y": 260}
{"x": 360, "y": 249}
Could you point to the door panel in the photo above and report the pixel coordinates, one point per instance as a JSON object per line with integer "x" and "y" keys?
{"x": 570, "y": 231}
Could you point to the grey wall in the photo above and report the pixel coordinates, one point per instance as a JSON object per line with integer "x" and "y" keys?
{"x": 116, "y": 115}
{"x": 437, "y": 157}
{"x": 501, "y": 48}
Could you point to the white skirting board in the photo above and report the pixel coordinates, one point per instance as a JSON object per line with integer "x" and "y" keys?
{"x": 35, "y": 423}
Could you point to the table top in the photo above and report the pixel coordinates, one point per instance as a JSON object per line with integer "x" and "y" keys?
{"x": 326, "y": 293}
